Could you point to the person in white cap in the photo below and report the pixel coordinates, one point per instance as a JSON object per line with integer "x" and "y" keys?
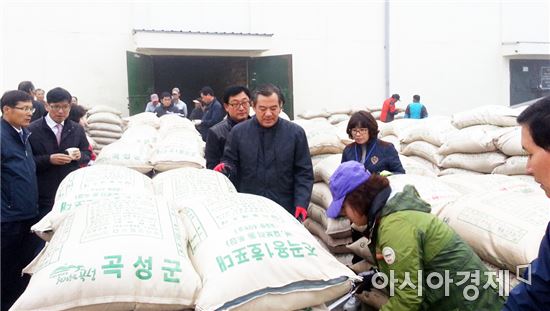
{"x": 152, "y": 105}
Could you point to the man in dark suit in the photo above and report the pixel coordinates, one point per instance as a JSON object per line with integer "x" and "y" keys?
{"x": 51, "y": 136}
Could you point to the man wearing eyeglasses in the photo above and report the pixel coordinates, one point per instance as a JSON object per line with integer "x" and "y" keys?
{"x": 51, "y": 136}
{"x": 269, "y": 156}
{"x": 19, "y": 195}
{"x": 236, "y": 101}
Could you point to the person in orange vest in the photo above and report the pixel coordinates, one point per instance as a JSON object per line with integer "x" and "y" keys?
{"x": 388, "y": 109}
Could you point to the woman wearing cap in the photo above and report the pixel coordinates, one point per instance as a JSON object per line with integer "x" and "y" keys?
{"x": 377, "y": 155}
{"x": 413, "y": 244}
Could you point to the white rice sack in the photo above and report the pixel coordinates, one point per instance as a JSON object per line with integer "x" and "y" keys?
{"x": 432, "y": 129}
{"x": 334, "y": 245}
{"x": 516, "y": 165}
{"x": 322, "y": 137}
{"x": 180, "y": 183}
{"x": 104, "y": 140}
{"x": 339, "y": 110}
{"x": 318, "y": 158}
{"x": 452, "y": 171}
{"x": 324, "y": 169}
{"x": 178, "y": 150}
{"x": 424, "y": 150}
{"x": 480, "y": 162}
{"x": 100, "y": 126}
{"x": 106, "y": 134}
{"x": 437, "y": 193}
{"x": 141, "y": 134}
{"x": 100, "y": 181}
{"x": 393, "y": 140}
{"x": 105, "y": 117}
{"x": 144, "y": 118}
{"x": 132, "y": 155}
{"x": 335, "y": 227}
{"x": 429, "y": 165}
{"x": 509, "y": 143}
{"x": 473, "y": 139}
{"x": 103, "y": 108}
{"x": 337, "y": 118}
{"x": 490, "y": 114}
{"x": 416, "y": 168}
{"x": 466, "y": 184}
{"x": 236, "y": 238}
{"x": 114, "y": 255}
{"x": 170, "y": 122}
{"x": 312, "y": 114}
{"x": 385, "y": 129}
{"x": 402, "y": 127}
{"x": 321, "y": 195}
{"x": 503, "y": 227}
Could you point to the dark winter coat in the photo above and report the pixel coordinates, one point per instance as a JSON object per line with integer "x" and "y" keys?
{"x": 272, "y": 162}
{"x": 44, "y": 144}
{"x": 381, "y": 156}
{"x": 19, "y": 186}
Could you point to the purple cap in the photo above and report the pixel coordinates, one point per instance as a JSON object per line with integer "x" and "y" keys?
{"x": 348, "y": 176}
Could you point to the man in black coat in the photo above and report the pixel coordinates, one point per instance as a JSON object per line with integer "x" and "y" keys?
{"x": 51, "y": 136}
{"x": 269, "y": 156}
{"x": 236, "y": 101}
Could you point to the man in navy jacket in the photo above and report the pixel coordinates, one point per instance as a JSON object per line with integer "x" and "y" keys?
{"x": 51, "y": 137}
{"x": 269, "y": 156}
{"x": 19, "y": 194}
{"x": 535, "y": 139}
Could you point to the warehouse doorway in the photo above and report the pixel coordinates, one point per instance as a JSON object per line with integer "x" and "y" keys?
{"x": 149, "y": 74}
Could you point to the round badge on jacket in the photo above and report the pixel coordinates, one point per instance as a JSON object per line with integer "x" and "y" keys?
{"x": 374, "y": 160}
{"x": 389, "y": 255}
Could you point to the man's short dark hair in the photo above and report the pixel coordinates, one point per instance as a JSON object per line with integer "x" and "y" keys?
{"x": 416, "y": 98}
{"x": 57, "y": 95}
{"x": 207, "y": 91}
{"x": 165, "y": 94}
{"x": 11, "y": 98}
{"x": 267, "y": 89}
{"x": 26, "y": 86}
{"x": 234, "y": 90}
{"x": 537, "y": 118}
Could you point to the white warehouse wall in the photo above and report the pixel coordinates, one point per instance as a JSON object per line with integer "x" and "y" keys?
{"x": 449, "y": 52}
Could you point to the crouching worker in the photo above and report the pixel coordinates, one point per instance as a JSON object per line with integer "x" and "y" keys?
{"x": 421, "y": 257}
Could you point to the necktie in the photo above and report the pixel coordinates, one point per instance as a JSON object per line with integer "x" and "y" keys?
{"x": 59, "y": 128}
{"x": 22, "y": 135}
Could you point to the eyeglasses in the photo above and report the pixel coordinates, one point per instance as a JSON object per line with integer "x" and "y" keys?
{"x": 361, "y": 131}
{"x": 25, "y": 109}
{"x": 63, "y": 108}
{"x": 237, "y": 104}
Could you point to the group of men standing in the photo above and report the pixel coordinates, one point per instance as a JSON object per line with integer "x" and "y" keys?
{"x": 34, "y": 160}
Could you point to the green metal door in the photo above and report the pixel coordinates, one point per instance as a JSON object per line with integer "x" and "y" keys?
{"x": 276, "y": 70}
{"x": 141, "y": 81}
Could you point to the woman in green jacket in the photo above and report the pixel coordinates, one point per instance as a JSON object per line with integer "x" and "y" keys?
{"x": 423, "y": 262}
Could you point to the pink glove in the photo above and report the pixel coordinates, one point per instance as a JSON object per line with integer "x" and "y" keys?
{"x": 300, "y": 211}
